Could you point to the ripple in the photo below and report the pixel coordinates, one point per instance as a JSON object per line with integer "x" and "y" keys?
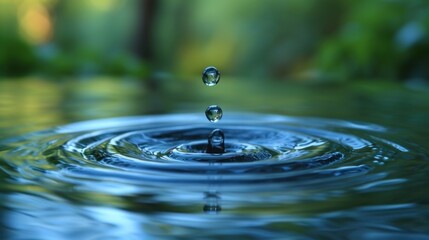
{"x": 278, "y": 176}
{"x": 170, "y": 149}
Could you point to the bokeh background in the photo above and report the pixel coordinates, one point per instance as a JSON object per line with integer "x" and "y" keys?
{"x": 65, "y": 61}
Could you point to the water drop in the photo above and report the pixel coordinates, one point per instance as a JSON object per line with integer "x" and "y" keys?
{"x": 211, "y": 76}
{"x": 214, "y": 113}
{"x": 216, "y": 142}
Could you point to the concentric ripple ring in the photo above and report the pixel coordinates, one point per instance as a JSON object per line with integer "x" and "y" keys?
{"x": 171, "y": 149}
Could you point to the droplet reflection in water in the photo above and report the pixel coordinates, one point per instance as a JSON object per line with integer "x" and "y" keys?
{"x": 214, "y": 113}
{"x": 211, "y": 76}
{"x": 212, "y": 205}
{"x": 216, "y": 142}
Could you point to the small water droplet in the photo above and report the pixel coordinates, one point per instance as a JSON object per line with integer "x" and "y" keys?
{"x": 214, "y": 113}
{"x": 211, "y": 76}
{"x": 216, "y": 142}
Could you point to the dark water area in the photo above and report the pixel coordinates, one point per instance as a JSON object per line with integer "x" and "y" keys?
{"x": 109, "y": 159}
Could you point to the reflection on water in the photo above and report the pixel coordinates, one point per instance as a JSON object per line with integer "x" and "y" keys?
{"x": 148, "y": 177}
{"x": 33, "y": 103}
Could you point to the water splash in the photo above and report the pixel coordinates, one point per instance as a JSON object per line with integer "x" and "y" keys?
{"x": 216, "y": 142}
{"x": 216, "y": 139}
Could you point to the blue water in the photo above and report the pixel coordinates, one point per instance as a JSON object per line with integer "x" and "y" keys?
{"x": 280, "y": 177}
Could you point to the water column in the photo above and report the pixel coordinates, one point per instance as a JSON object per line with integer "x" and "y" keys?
{"x": 216, "y": 139}
{"x": 216, "y": 142}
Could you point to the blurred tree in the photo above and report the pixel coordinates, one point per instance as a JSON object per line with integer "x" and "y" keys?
{"x": 342, "y": 39}
{"x": 144, "y": 48}
{"x": 95, "y": 37}
{"x": 82, "y": 37}
{"x": 271, "y": 39}
{"x": 145, "y": 26}
{"x": 17, "y": 56}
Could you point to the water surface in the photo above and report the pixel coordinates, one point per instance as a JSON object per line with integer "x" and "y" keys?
{"x": 302, "y": 164}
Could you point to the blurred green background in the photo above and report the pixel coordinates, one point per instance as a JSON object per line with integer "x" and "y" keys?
{"x": 331, "y": 39}
{"x": 63, "y": 61}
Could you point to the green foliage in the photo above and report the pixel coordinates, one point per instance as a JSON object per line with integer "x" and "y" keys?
{"x": 267, "y": 39}
{"x": 379, "y": 39}
{"x": 331, "y": 39}
{"x": 89, "y": 38}
{"x": 16, "y": 57}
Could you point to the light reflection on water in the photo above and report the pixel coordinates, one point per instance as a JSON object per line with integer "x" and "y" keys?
{"x": 45, "y": 219}
{"x": 51, "y": 192}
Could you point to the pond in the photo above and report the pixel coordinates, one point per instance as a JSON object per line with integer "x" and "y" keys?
{"x": 110, "y": 158}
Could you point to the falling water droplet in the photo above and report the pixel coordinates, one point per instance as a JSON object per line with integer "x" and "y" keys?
{"x": 214, "y": 113}
{"x": 211, "y": 76}
{"x": 216, "y": 142}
